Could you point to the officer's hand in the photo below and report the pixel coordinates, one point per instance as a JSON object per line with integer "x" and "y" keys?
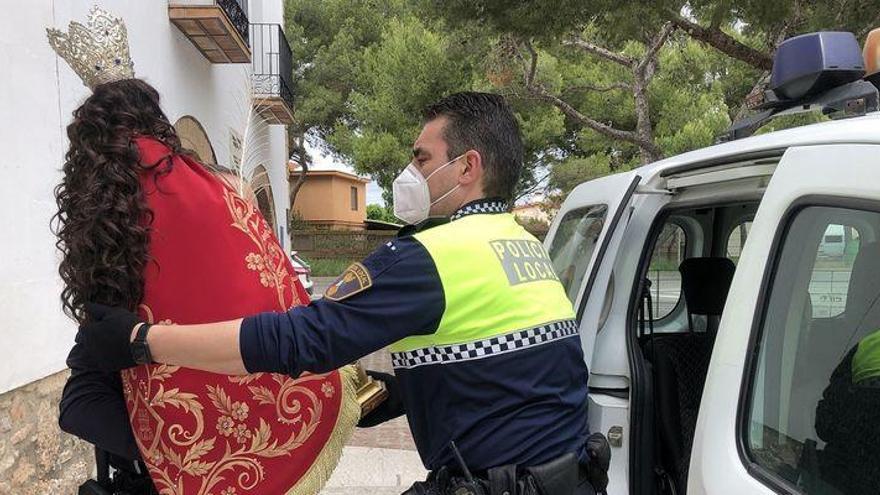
{"x": 106, "y": 336}
{"x": 390, "y": 408}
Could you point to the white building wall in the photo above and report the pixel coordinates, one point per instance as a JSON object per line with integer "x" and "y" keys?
{"x": 34, "y": 336}
{"x": 38, "y": 93}
{"x": 272, "y": 12}
{"x": 278, "y": 154}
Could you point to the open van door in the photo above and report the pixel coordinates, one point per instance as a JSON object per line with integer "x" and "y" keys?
{"x": 581, "y": 237}
{"x": 786, "y": 406}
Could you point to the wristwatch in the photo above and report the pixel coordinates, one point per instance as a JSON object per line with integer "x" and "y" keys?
{"x": 140, "y": 351}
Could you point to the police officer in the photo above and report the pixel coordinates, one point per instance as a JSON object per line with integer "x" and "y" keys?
{"x": 483, "y": 339}
{"x": 846, "y": 419}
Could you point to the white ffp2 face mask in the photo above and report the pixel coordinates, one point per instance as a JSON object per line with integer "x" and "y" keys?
{"x": 412, "y": 198}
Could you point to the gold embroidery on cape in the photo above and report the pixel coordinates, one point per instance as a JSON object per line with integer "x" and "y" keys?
{"x": 269, "y": 261}
{"x": 244, "y": 440}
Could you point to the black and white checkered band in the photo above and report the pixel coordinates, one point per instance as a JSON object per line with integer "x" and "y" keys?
{"x": 481, "y": 206}
{"x": 500, "y": 344}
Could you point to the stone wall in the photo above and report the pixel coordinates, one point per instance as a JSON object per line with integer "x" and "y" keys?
{"x": 36, "y": 457}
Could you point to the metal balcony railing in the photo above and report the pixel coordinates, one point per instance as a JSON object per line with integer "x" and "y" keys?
{"x": 237, "y": 11}
{"x": 217, "y": 28}
{"x": 272, "y": 62}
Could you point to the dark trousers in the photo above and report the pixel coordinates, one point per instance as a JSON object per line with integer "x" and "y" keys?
{"x": 584, "y": 487}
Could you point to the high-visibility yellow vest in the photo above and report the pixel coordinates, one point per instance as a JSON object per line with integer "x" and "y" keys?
{"x": 498, "y": 281}
{"x": 866, "y": 361}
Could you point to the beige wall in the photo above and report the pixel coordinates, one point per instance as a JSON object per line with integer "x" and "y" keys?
{"x": 193, "y": 137}
{"x": 325, "y": 198}
{"x": 35, "y": 456}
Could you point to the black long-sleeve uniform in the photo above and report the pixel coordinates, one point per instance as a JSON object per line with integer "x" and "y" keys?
{"x": 93, "y": 407}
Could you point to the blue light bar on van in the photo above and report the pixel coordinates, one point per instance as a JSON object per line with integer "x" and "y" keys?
{"x": 813, "y": 63}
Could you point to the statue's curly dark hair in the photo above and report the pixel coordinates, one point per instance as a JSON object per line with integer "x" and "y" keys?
{"x": 103, "y": 221}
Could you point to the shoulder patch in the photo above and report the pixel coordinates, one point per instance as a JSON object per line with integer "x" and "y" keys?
{"x": 354, "y": 280}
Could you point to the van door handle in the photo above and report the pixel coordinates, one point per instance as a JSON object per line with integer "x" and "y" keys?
{"x": 615, "y": 436}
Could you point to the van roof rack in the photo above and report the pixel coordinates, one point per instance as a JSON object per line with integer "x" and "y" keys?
{"x": 813, "y": 72}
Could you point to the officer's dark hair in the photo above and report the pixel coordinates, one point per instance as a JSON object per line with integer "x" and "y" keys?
{"x": 483, "y": 122}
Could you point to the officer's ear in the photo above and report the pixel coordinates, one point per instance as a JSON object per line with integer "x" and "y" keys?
{"x": 472, "y": 170}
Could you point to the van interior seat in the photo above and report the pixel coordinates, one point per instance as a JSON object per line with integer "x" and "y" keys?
{"x": 830, "y": 339}
{"x": 681, "y": 362}
{"x": 862, "y": 305}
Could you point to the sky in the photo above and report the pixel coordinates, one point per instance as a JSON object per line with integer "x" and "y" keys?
{"x": 321, "y": 161}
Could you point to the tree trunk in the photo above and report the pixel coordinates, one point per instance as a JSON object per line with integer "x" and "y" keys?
{"x": 724, "y": 43}
{"x": 642, "y": 71}
{"x": 300, "y": 180}
{"x": 298, "y": 150}
{"x": 644, "y": 130}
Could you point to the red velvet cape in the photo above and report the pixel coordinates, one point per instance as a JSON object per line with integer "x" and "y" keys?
{"x": 213, "y": 257}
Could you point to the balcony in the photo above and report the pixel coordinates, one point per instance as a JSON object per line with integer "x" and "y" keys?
{"x": 272, "y": 66}
{"x": 218, "y": 28}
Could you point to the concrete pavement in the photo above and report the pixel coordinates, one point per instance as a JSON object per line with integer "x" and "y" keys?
{"x": 375, "y": 471}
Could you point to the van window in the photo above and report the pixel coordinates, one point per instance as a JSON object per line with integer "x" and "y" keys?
{"x": 574, "y": 243}
{"x": 814, "y": 392}
{"x": 831, "y": 273}
{"x": 669, "y": 251}
{"x": 737, "y": 239}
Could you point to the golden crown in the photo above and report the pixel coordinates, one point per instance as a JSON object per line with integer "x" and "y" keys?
{"x": 98, "y": 51}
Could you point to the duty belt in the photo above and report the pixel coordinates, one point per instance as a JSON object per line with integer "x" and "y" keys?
{"x": 557, "y": 477}
{"x": 561, "y": 476}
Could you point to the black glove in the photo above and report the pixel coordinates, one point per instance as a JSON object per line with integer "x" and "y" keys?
{"x": 600, "y": 461}
{"x": 390, "y": 408}
{"x": 106, "y": 336}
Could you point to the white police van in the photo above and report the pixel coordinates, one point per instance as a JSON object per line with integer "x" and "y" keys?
{"x": 711, "y": 313}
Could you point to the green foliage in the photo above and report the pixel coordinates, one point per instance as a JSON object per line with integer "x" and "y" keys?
{"x": 297, "y": 222}
{"x": 569, "y": 173}
{"x": 536, "y": 18}
{"x": 365, "y": 69}
{"x": 329, "y": 267}
{"x": 381, "y": 213}
{"x": 789, "y": 121}
{"x": 409, "y": 67}
{"x": 690, "y": 96}
{"x": 760, "y": 16}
